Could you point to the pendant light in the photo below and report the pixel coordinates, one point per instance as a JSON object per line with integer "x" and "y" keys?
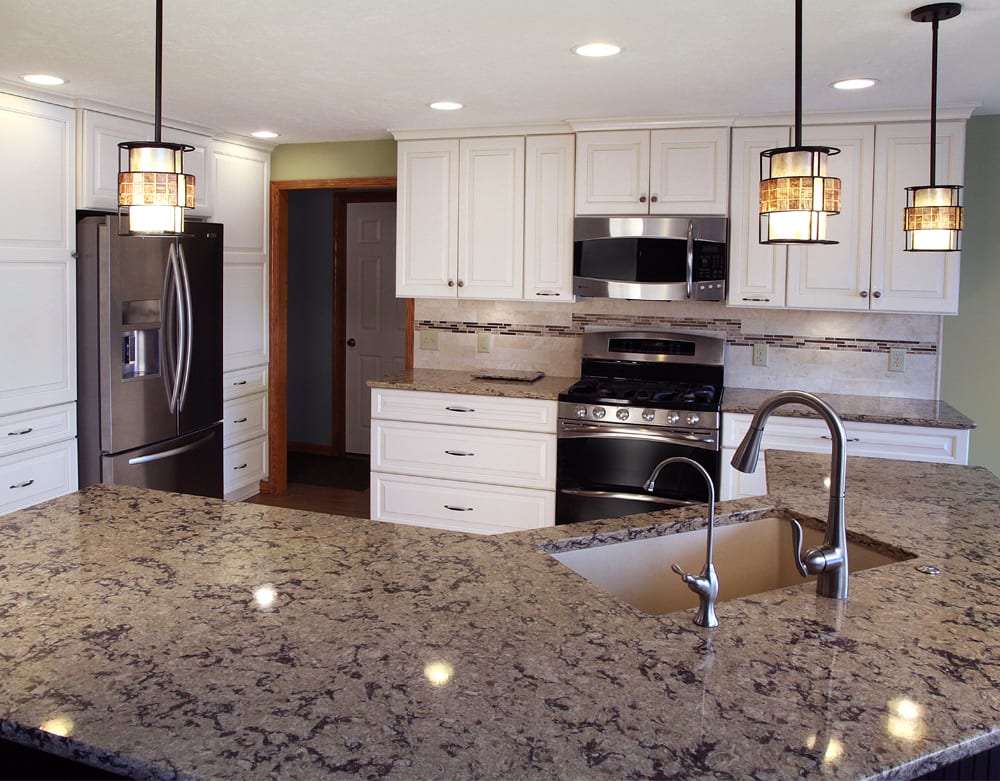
{"x": 154, "y": 190}
{"x": 933, "y": 217}
{"x": 796, "y": 195}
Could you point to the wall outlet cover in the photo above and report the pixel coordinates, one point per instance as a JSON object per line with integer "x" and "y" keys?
{"x": 760, "y": 354}
{"x": 897, "y": 359}
{"x": 484, "y": 342}
{"x": 428, "y": 340}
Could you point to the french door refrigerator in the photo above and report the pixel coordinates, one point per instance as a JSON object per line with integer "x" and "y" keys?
{"x": 149, "y": 357}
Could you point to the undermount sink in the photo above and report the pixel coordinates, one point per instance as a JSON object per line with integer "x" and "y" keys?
{"x": 750, "y": 558}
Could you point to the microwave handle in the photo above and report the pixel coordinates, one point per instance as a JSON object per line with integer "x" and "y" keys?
{"x": 690, "y": 258}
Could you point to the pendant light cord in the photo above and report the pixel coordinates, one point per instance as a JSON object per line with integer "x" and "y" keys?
{"x": 159, "y": 71}
{"x": 934, "y": 69}
{"x": 798, "y": 73}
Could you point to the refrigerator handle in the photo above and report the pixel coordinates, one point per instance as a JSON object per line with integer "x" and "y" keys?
{"x": 175, "y": 451}
{"x": 178, "y": 318}
{"x": 187, "y": 319}
{"x": 167, "y": 332}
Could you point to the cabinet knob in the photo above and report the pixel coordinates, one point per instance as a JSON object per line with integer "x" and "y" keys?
{"x": 451, "y": 283}
{"x": 864, "y": 294}
{"x": 461, "y": 283}
{"x": 642, "y": 199}
{"x": 654, "y": 199}
{"x": 877, "y": 294}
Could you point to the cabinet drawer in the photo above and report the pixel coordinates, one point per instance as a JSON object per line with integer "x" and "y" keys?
{"x": 38, "y": 427}
{"x": 467, "y": 507}
{"x": 244, "y": 382}
{"x": 465, "y": 409}
{"x": 513, "y": 458}
{"x": 36, "y": 475}
{"x": 244, "y": 419}
{"x": 244, "y": 466}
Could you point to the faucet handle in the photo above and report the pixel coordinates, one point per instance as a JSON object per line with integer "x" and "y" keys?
{"x": 797, "y": 547}
{"x": 684, "y": 575}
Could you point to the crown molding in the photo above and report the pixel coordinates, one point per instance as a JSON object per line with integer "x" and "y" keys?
{"x": 549, "y": 128}
{"x": 650, "y": 123}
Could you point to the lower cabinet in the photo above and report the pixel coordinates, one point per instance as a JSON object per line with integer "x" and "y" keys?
{"x": 244, "y": 431}
{"x": 36, "y": 475}
{"x": 480, "y": 464}
{"x": 808, "y": 435}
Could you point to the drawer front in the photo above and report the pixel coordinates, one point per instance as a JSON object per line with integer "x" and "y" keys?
{"x": 465, "y": 410}
{"x": 244, "y": 419}
{"x": 465, "y": 507}
{"x": 36, "y": 475}
{"x": 515, "y": 458}
{"x": 27, "y": 430}
{"x": 244, "y": 382}
{"x": 244, "y": 466}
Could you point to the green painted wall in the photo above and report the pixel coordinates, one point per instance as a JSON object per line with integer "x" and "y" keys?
{"x": 970, "y": 349}
{"x": 334, "y": 160}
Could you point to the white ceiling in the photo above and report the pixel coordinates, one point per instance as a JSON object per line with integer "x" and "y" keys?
{"x": 331, "y": 70}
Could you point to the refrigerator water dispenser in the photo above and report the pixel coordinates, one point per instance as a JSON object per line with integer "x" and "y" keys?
{"x": 140, "y": 353}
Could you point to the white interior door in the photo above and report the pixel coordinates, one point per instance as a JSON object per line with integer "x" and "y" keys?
{"x": 376, "y": 319}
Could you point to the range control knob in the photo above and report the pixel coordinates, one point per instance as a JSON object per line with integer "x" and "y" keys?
{"x": 580, "y": 411}
{"x": 649, "y": 415}
{"x": 622, "y": 414}
{"x": 672, "y": 418}
{"x": 692, "y": 419}
{"x": 599, "y": 412}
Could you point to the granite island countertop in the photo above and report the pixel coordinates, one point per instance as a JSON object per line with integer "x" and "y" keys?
{"x": 136, "y": 622}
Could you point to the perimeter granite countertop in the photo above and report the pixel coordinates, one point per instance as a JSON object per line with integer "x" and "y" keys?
{"x": 130, "y": 623}
{"x": 448, "y": 381}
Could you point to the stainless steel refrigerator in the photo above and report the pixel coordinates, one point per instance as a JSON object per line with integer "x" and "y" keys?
{"x": 149, "y": 357}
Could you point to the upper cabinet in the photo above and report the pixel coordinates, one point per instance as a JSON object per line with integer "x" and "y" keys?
{"x": 667, "y": 171}
{"x": 462, "y": 229}
{"x": 99, "y": 136}
{"x": 867, "y": 269}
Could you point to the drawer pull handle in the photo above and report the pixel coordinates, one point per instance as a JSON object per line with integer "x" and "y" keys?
{"x": 460, "y": 409}
{"x": 240, "y": 420}
{"x": 458, "y": 453}
{"x": 20, "y": 433}
{"x": 547, "y": 293}
{"x": 241, "y": 466}
{"x": 849, "y": 439}
{"x": 240, "y": 382}
{"x": 457, "y": 509}
{"x": 763, "y": 300}
{"x": 22, "y": 485}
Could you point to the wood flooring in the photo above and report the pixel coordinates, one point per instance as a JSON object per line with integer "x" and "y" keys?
{"x": 319, "y": 499}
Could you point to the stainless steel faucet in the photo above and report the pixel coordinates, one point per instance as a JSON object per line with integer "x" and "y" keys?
{"x": 705, "y": 585}
{"x": 829, "y": 561}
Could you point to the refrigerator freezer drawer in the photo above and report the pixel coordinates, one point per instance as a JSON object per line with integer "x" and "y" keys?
{"x": 191, "y": 464}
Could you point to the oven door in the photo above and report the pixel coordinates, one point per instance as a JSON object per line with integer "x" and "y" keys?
{"x": 602, "y": 467}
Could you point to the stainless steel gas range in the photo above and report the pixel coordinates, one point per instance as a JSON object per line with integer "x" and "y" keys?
{"x": 642, "y": 397}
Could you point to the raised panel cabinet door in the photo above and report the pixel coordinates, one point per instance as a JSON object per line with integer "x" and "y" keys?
{"x": 99, "y": 161}
{"x": 427, "y": 218}
{"x": 198, "y": 164}
{"x": 837, "y": 276}
{"x": 38, "y": 160}
{"x": 244, "y": 312}
{"x": 240, "y": 176}
{"x": 689, "y": 171}
{"x": 912, "y": 281}
{"x": 548, "y": 218}
{"x": 756, "y": 271}
{"x": 491, "y": 218}
{"x": 612, "y": 172}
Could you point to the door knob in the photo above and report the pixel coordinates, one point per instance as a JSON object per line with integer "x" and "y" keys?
{"x": 351, "y": 342}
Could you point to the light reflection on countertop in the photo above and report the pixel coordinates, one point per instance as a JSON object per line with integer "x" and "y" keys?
{"x": 905, "y": 719}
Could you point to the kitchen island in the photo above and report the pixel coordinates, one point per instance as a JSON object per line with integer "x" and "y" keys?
{"x": 166, "y": 636}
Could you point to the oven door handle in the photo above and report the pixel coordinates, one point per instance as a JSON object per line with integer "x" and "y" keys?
{"x": 575, "y": 430}
{"x": 651, "y": 498}
{"x": 690, "y": 258}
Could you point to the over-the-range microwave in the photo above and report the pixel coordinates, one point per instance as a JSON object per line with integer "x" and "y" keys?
{"x": 650, "y": 258}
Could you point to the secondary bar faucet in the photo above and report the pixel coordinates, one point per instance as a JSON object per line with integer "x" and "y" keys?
{"x": 705, "y": 585}
{"x": 829, "y": 561}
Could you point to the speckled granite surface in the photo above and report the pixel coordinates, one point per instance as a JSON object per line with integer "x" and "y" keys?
{"x": 446, "y": 381}
{"x": 129, "y": 622}
{"x": 862, "y": 409}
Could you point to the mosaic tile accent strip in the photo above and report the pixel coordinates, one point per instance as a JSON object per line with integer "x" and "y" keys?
{"x": 732, "y": 330}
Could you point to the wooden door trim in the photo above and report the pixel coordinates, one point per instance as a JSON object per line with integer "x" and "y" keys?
{"x": 277, "y": 385}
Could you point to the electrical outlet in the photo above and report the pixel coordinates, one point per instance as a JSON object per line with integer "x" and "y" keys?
{"x": 760, "y": 354}
{"x": 897, "y": 359}
{"x": 428, "y": 340}
{"x": 484, "y": 342}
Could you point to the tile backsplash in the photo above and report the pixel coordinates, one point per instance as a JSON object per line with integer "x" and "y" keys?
{"x": 824, "y": 352}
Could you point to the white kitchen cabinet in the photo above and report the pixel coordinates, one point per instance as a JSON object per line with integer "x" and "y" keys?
{"x": 244, "y": 418}
{"x": 548, "y": 218}
{"x": 99, "y": 136}
{"x": 244, "y": 427}
{"x": 244, "y": 466}
{"x": 809, "y": 435}
{"x": 481, "y": 464}
{"x": 241, "y": 178}
{"x": 666, "y": 171}
{"x": 38, "y": 474}
{"x": 244, "y": 311}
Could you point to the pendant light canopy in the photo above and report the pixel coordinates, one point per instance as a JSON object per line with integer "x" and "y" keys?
{"x": 154, "y": 190}
{"x": 933, "y": 218}
{"x": 796, "y": 195}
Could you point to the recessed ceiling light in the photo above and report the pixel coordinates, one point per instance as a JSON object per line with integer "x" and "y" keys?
{"x": 264, "y": 134}
{"x": 854, "y": 84}
{"x": 43, "y": 79}
{"x": 446, "y": 105}
{"x": 596, "y": 49}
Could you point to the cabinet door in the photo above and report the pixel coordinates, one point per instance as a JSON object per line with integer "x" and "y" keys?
{"x": 612, "y": 172}
{"x": 548, "y": 218}
{"x": 198, "y": 164}
{"x": 491, "y": 218}
{"x": 427, "y": 218}
{"x": 99, "y": 158}
{"x": 756, "y": 271}
{"x": 241, "y": 180}
{"x": 37, "y": 157}
{"x": 912, "y": 281}
{"x": 837, "y": 276}
{"x": 244, "y": 312}
{"x": 689, "y": 171}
